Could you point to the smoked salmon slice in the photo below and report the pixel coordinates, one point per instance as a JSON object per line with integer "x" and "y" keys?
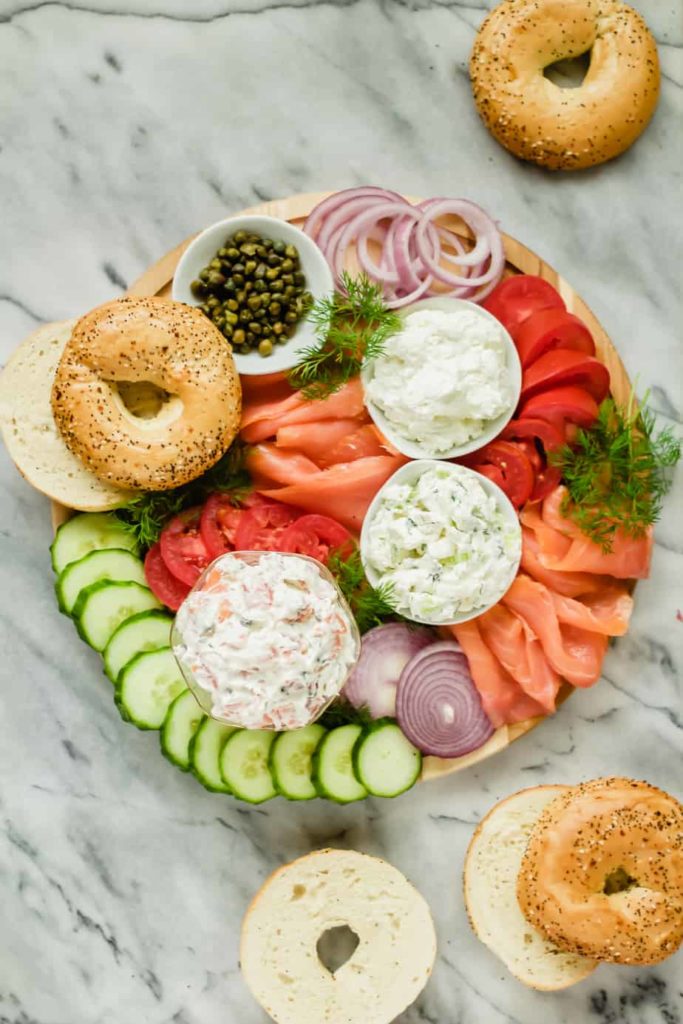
{"x": 608, "y": 611}
{"x": 361, "y": 444}
{"x": 574, "y": 653}
{"x": 315, "y": 439}
{"x": 269, "y": 465}
{"x": 342, "y": 492}
{"x": 519, "y": 651}
{"x": 264, "y": 387}
{"x": 502, "y": 698}
{"x": 570, "y": 584}
{"x": 261, "y": 421}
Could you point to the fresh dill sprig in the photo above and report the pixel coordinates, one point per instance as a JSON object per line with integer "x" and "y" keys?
{"x": 371, "y": 606}
{"x": 341, "y": 712}
{"x": 617, "y": 472}
{"x": 351, "y": 325}
{"x": 146, "y": 514}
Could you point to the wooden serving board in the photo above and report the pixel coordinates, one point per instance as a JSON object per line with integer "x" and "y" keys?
{"x": 157, "y": 281}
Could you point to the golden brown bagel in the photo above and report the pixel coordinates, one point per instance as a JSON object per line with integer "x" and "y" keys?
{"x": 613, "y": 834}
{"x": 565, "y": 129}
{"x": 146, "y": 393}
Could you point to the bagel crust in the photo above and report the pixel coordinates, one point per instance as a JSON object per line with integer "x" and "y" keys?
{"x": 601, "y": 832}
{"x": 130, "y": 344}
{"x": 565, "y": 129}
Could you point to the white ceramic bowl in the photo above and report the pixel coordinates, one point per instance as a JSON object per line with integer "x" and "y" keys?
{"x": 493, "y": 427}
{"x": 408, "y": 474}
{"x": 319, "y": 282}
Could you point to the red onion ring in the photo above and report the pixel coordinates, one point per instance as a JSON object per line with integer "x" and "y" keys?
{"x": 437, "y": 704}
{"x": 341, "y": 199}
{"x": 384, "y": 653}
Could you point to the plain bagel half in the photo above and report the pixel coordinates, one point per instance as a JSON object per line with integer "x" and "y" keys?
{"x": 329, "y": 889}
{"x": 146, "y": 393}
{"x": 564, "y": 128}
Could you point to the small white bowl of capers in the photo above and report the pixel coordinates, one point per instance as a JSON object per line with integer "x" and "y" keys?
{"x": 256, "y": 278}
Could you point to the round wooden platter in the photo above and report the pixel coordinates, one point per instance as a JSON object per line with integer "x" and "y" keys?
{"x": 157, "y": 281}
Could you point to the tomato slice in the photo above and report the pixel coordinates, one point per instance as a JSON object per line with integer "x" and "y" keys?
{"x": 261, "y": 528}
{"x": 532, "y": 453}
{"x": 315, "y": 536}
{"x": 218, "y": 524}
{"x": 492, "y": 472}
{"x": 547, "y": 433}
{"x": 168, "y": 588}
{"x": 513, "y": 463}
{"x": 558, "y": 404}
{"x": 182, "y": 548}
{"x": 562, "y": 366}
{"x": 517, "y": 297}
{"x": 549, "y": 329}
{"x": 546, "y": 481}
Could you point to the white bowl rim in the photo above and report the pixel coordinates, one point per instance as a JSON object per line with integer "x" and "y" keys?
{"x": 313, "y": 263}
{"x": 415, "y": 468}
{"x": 411, "y": 448}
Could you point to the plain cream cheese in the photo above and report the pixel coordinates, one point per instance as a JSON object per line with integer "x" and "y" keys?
{"x": 442, "y": 378}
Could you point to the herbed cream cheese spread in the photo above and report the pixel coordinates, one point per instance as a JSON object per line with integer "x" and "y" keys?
{"x": 442, "y": 378}
{"x": 442, "y": 544}
{"x": 268, "y": 638}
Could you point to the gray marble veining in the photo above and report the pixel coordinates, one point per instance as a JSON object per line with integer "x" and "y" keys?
{"x": 124, "y": 126}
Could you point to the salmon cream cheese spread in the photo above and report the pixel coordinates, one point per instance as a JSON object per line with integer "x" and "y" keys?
{"x": 268, "y": 637}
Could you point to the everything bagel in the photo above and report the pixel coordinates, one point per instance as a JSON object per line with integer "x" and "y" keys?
{"x": 146, "y": 393}
{"x": 563, "y": 128}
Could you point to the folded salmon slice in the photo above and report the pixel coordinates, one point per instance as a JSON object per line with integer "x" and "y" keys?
{"x": 519, "y": 651}
{"x": 574, "y": 653}
{"x": 608, "y": 611}
{"x": 363, "y": 443}
{"x": 315, "y": 439}
{"x": 570, "y": 584}
{"x": 264, "y": 387}
{"x": 502, "y": 698}
{"x": 268, "y": 465}
{"x": 261, "y": 421}
{"x": 342, "y": 492}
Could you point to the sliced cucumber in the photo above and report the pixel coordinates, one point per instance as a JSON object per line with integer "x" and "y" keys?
{"x": 180, "y": 725}
{"x": 385, "y": 760}
{"x": 147, "y": 631}
{"x": 333, "y": 766}
{"x": 290, "y": 762}
{"x": 205, "y": 751}
{"x": 244, "y": 765}
{"x": 102, "y": 607}
{"x": 147, "y": 686}
{"x": 106, "y": 564}
{"x": 89, "y": 531}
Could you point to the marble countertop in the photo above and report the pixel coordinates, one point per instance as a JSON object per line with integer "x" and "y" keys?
{"x": 125, "y": 125}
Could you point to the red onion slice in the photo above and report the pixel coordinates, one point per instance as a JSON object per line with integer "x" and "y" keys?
{"x": 341, "y": 199}
{"x": 437, "y": 704}
{"x": 384, "y": 653}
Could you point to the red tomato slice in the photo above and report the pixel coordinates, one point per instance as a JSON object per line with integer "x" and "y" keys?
{"x": 511, "y": 460}
{"x": 546, "y": 481}
{"x": 182, "y": 549}
{"x": 516, "y": 298}
{"x": 168, "y": 588}
{"x": 547, "y": 433}
{"x": 549, "y": 329}
{"x": 561, "y": 366}
{"x": 492, "y": 472}
{"x": 570, "y": 403}
{"x": 533, "y": 455}
{"x": 261, "y": 528}
{"x": 220, "y": 519}
{"x": 315, "y": 536}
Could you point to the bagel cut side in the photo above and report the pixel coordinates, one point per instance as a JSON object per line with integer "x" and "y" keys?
{"x": 146, "y": 393}
{"x": 490, "y": 888}
{"x": 328, "y": 889}
{"x": 28, "y": 428}
{"x": 565, "y": 128}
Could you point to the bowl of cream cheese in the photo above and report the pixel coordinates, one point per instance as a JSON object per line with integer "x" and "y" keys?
{"x": 442, "y": 540}
{"x": 447, "y": 383}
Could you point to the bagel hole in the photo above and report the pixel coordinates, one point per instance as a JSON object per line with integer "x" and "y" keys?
{"x": 570, "y": 72}
{"x": 618, "y": 880}
{"x": 336, "y": 946}
{"x": 141, "y": 398}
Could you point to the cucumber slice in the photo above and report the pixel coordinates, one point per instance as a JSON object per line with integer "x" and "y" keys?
{"x": 147, "y": 686}
{"x": 290, "y": 762}
{"x": 106, "y": 564}
{"x": 385, "y": 760}
{"x": 181, "y": 723}
{"x": 147, "y": 631}
{"x": 244, "y": 765}
{"x": 102, "y": 607}
{"x": 333, "y": 766}
{"x": 205, "y": 751}
{"x": 89, "y": 531}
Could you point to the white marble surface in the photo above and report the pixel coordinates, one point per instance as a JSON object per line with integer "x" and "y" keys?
{"x": 124, "y": 126}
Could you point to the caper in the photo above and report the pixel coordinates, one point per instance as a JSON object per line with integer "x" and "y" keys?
{"x": 272, "y": 273}
{"x": 212, "y": 301}
{"x": 239, "y": 337}
{"x": 238, "y": 268}
{"x": 289, "y": 293}
{"x": 227, "y": 330}
{"x": 300, "y": 278}
{"x": 291, "y": 317}
{"x": 238, "y": 279}
{"x": 198, "y": 290}
{"x": 261, "y": 314}
{"x": 279, "y": 246}
{"x": 216, "y": 279}
{"x": 265, "y": 298}
{"x": 223, "y": 253}
{"x": 254, "y": 302}
{"x": 233, "y": 254}
{"x": 250, "y": 267}
{"x": 233, "y": 305}
{"x": 251, "y": 338}
{"x": 307, "y": 299}
{"x": 239, "y": 237}
{"x": 248, "y": 249}
{"x": 261, "y": 251}
{"x": 265, "y": 347}
{"x": 215, "y": 264}
{"x": 287, "y": 265}
{"x": 204, "y": 274}
{"x": 266, "y": 330}
{"x": 288, "y": 279}
{"x": 231, "y": 318}
{"x": 241, "y": 296}
{"x": 230, "y": 285}
{"x": 274, "y": 260}
{"x": 276, "y": 286}
{"x": 290, "y": 251}
{"x": 274, "y": 309}
{"x": 248, "y": 285}
{"x": 245, "y": 316}
{"x": 255, "y": 328}
{"x": 259, "y": 286}
{"x": 278, "y": 328}
{"x": 205, "y": 308}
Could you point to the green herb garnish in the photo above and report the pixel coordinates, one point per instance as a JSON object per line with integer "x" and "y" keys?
{"x": 616, "y": 472}
{"x": 351, "y": 325}
{"x": 371, "y": 606}
{"x": 341, "y": 712}
{"x": 146, "y": 515}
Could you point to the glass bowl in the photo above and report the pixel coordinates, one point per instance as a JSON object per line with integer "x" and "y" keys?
{"x": 205, "y": 696}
